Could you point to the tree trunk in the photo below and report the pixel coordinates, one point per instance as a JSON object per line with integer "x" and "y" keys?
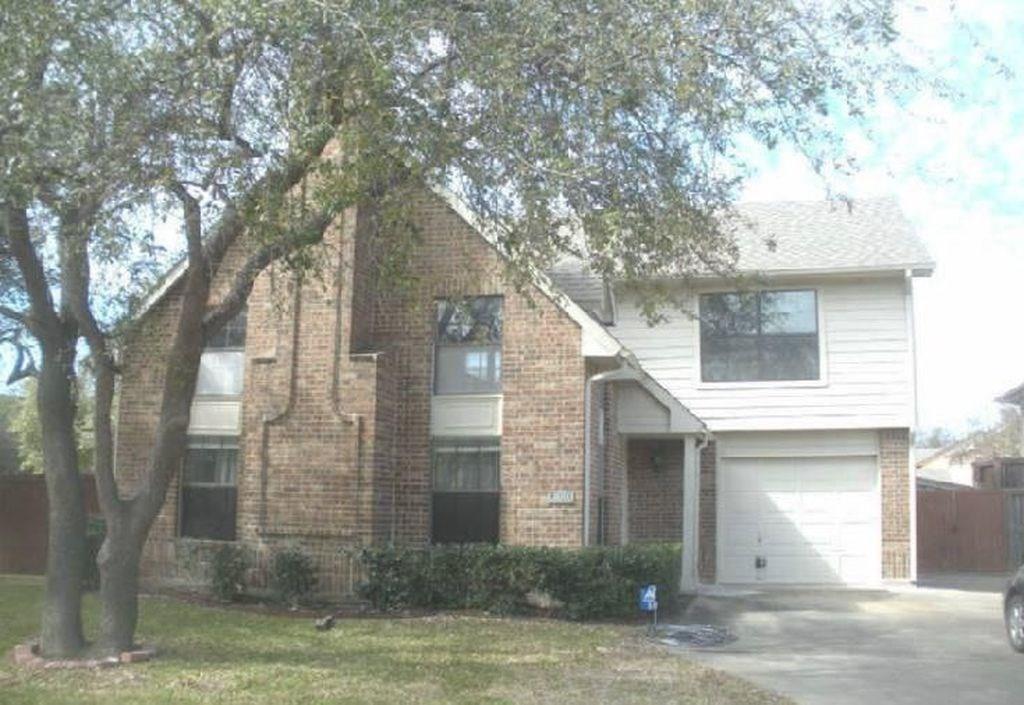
{"x": 67, "y": 554}
{"x": 119, "y": 589}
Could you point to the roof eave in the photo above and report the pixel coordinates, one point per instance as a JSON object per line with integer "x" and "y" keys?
{"x": 597, "y": 341}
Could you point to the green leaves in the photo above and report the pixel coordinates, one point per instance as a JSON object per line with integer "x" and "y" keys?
{"x": 606, "y": 130}
{"x": 575, "y": 583}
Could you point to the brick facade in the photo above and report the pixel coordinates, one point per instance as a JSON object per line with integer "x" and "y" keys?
{"x": 655, "y": 490}
{"x": 334, "y": 451}
{"x": 706, "y": 555}
{"x": 894, "y": 462}
{"x": 335, "y": 443}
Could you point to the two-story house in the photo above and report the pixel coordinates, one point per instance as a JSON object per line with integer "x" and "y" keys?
{"x": 765, "y": 427}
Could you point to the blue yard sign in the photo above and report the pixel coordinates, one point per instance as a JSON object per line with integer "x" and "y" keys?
{"x": 647, "y": 598}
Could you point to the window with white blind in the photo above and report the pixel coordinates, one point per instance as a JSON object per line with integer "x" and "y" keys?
{"x": 467, "y": 346}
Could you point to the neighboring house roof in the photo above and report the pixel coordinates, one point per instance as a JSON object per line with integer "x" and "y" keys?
{"x": 1014, "y": 396}
{"x": 572, "y": 278}
{"x": 925, "y": 483}
{"x": 957, "y": 451}
{"x": 949, "y": 464}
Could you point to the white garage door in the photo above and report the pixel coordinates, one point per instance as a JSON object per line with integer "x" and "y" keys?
{"x": 799, "y": 520}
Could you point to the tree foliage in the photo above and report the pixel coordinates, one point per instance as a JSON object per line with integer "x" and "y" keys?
{"x": 1000, "y": 439}
{"x": 9, "y": 405}
{"x": 606, "y": 130}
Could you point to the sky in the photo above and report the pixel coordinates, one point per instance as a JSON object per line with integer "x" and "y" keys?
{"x": 956, "y": 165}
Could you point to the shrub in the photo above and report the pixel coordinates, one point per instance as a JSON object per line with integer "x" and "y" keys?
{"x": 292, "y": 576}
{"x": 95, "y": 533}
{"x": 228, "y": 572}
{"x": 579, "y": 584}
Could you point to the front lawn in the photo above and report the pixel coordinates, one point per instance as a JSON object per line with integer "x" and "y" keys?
{"x": 232, "y": 656}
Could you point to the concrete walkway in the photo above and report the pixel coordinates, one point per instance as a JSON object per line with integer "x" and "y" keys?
{"x": 931, "y": 645}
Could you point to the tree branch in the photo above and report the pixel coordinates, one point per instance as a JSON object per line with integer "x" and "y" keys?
{"x": 308, "y": 233}
{"x": 75, "y": 280}
{"x": 193, "y": 224}
{"x": 281, "y": 180}
{"x": 17, "y": 316}
{"x": 182, "y": 369}
{"x": 44, "y": 322}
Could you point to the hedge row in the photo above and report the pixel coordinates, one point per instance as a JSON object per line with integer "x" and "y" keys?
{"x": 573, "y": 583}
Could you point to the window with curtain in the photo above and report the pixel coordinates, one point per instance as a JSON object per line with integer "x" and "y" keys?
{"x": 209, "y": 488}
{"x": 466, "y": 496}
{"x": 759, "y": 336}
{"x": 467, "y": 346}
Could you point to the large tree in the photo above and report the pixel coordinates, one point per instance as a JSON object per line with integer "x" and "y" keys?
{"x": 260, "y": 121}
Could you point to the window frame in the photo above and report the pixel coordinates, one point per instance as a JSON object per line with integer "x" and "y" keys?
{"x": 821, "y": 381}
{"x": 232, "y": 356}
{"x": 242, "y": 314}
{"x": 225, "y": 442}
{"x": 490, "y": 348}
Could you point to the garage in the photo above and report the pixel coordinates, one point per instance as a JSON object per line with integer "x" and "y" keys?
{"x": 799, "y": 508}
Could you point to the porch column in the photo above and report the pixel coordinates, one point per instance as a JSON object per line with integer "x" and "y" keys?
{"x": 691, "y": 503}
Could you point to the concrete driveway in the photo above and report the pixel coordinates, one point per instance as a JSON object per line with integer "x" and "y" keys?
{"x": 939, "y": 644}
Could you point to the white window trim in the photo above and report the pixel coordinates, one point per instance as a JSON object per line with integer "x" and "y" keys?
{"x": 822, "y": 380}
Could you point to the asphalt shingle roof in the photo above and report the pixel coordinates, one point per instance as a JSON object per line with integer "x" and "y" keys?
{"x": 798, "y": 236}
{"x": 822, "y": 235}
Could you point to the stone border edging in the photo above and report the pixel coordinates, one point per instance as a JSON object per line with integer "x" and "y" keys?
{"x": 27, "y": 656}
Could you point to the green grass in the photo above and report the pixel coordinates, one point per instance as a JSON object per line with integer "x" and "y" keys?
{"x": 214, "y": 655}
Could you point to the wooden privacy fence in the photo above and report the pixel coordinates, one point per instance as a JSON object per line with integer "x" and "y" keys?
{"x": 23, "y": 526}
{"x": 969, "y": 530}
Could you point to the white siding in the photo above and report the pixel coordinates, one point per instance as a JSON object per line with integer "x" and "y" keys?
{"x": 867, "y": 371}
{"x": 639, "y": 412}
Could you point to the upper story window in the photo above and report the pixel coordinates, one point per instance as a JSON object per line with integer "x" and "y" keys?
{"x": 467, "y": 358}
{"x": 232, "y": 335}
{"x": 223, "y": 361}
{"x": 759, "y": 337}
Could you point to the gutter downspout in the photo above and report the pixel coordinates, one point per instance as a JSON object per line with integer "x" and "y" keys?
{"x": 273, "y": 417}
{"x": 587, "y": 452}
{"x": 908, "y": 298}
